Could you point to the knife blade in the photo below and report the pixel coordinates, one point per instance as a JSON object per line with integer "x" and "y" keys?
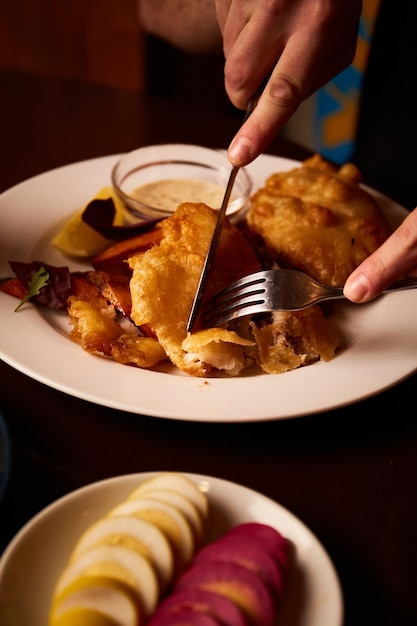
{"x": 214, "y": 244}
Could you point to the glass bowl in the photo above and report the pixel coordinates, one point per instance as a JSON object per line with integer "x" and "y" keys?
{"x": 152, "y": 181}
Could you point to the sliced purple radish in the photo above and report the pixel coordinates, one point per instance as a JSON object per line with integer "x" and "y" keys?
{"x": 234, "y": 550}
{"x": 185, "y": 618}
{"x": 246, "y": 589}
{"x": 200, "y": 601}
{"x": 264, "y": 535}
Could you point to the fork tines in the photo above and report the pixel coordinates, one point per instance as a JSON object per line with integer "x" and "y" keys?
{"x": 228, "y": 303}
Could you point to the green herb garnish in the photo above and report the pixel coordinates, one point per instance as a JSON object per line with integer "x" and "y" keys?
{"x": 38, "y": 280}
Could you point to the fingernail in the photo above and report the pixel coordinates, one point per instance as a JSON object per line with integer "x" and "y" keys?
{"x": 357, "y": 289}
{"x": 240, "y": 151}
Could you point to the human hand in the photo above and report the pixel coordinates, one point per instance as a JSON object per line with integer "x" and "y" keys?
{"x": 396, "y": 257}
{"x": 299, "y": 44}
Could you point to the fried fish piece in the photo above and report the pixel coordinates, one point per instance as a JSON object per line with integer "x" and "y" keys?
{"x": 165, "y": 279}
{"x": 294, "y": 339}
{"x": 318, "y": 219}
{"x": 103, "y": 289}
{"x": 94, "y": 327}
{"x": 97, "y": 331}
{"x": 221, "y": 349}
{"x": 144, "y": 352}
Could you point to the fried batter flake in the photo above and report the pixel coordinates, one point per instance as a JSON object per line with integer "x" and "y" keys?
{"x": 97, "y": 331}
{"x": 293, "y": 339}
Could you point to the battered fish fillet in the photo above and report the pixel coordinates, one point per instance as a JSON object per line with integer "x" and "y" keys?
{"x": 318, "y": 219}
{"x": 294, "y": 339}
{"x": 164, "y": 282}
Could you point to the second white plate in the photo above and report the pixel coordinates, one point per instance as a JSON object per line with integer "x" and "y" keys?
{"x": 34, "y": 559}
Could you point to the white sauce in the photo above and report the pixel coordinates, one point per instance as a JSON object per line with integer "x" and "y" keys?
{"x": 168, "y": 194}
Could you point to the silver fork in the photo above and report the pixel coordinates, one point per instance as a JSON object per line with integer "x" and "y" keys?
{"x": 275, "y": 290}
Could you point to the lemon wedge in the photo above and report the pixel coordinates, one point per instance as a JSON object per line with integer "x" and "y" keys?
{"x": 78, "y": 239}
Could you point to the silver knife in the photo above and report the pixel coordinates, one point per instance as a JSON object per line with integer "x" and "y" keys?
{"x": 208, "y": 264}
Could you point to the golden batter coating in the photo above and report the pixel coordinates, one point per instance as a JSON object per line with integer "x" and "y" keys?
{"x": 317, "y": 218}
{"x": 293, "y": 339}
{"x": 97, "y": 331}
{"x": 165, "y": 280}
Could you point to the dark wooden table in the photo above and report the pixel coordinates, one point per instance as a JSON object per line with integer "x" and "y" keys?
{"x": 349, "y": 474}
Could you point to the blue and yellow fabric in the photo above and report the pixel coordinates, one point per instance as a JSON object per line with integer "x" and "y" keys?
{"x": 327, "y": 122}
{"x": 337, "y": 103}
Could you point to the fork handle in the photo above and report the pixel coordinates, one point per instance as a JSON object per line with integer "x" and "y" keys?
{"x": 400, "y": 285}
{"x": 336, "y": 293}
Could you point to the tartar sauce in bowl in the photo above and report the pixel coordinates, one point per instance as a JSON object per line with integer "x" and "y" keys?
{"x": 168, "y": 194}
{"x": 152, "y": 181}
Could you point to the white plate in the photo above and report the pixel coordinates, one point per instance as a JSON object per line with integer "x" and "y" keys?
{"x": 381, "y": 338}
{"x": 33, "y": 560}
